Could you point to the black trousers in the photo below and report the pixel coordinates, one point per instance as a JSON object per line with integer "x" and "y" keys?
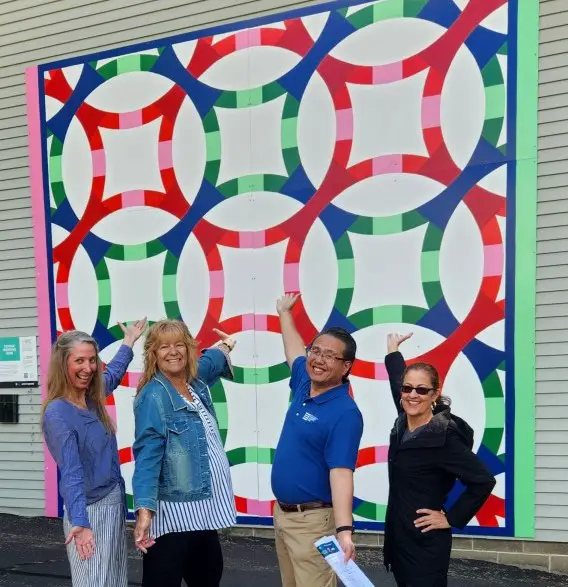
{"x": 195, "y": 557}
{"x": 438, "y": 580}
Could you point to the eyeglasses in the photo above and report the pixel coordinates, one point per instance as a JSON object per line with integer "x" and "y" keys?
{"x": 418, "y": 390}
{"x": 327, "y": 356}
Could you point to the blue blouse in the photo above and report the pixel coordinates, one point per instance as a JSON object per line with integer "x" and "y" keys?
{"x": 85, "y": 452}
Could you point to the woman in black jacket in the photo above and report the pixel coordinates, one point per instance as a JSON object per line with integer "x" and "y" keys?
{"x": 429, "y": 449}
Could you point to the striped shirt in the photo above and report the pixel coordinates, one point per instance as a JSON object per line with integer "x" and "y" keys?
{"x": 213, "y": 513}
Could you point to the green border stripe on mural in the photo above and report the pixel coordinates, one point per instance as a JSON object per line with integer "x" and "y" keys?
{"x": 525, "y": 266}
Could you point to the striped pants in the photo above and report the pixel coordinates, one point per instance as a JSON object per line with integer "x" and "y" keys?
{"x": 108, "y": 566}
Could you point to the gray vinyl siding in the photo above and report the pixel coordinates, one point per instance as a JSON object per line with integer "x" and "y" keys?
{"x": 552, "y": 277}
{"x": 35, "y": 32}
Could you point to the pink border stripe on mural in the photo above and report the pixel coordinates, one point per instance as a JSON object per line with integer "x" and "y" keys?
{"x": 42, "y": 281}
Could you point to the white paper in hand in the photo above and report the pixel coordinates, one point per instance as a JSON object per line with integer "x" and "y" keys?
{"x": 349, "y": 573}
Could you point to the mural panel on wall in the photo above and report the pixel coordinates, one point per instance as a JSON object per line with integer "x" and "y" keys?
{"x": 363, "y": 155}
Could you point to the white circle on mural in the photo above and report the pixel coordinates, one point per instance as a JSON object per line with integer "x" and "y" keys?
{"x": 134, "y": 225}
{"x": 77, "y": 167}
{"x": 268, "y": 347}
{"x": 371, "y": 484}
{"x": 461, "y": 262}
{"x": 316, "y": 130}
{"x": 399, "y": 38}
{"x": 129, "y": 91}
{"x": 80, "y": 293}
{"x": 318, "y": 274}
{"x": 264, "y": 482}
{"x": 192, "y": 281}
{"x": 245, "y": 480}
{"x": 251, "y": 67}
{"x": 372, "y": 341}
{"x": 253, "y": 211}
{"x": 389, "y": 194}
{"x": 462, "y": 107}
{"x": 188, "y": 150}
{"x": 137, "y": 364}
{"x": 463, "y": 387}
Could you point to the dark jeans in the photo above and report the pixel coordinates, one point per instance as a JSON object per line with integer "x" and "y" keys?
{"x": 195, "y": 557}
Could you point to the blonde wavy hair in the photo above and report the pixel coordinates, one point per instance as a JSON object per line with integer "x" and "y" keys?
{"x": 59, "y": 383}
{"x": 159, "y": 333}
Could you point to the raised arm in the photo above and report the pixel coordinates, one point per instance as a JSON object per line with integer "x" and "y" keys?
{"x": 116, "y": 368}
{"x": 293, "y": 344}
{"x": 395, "y": 365}
{"x": 215, "y": 361}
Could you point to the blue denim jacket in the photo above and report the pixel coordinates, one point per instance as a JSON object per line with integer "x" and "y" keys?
{"x": 170, "y": 447}
{"x": 85, "y": 452}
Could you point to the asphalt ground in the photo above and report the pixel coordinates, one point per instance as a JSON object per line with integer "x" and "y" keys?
{"x": 32, "y": 555}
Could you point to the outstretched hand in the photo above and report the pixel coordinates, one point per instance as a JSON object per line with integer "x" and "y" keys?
{"x": 133, "y": 332}
{"x": 394, "y": 340}
{"x": 225, "y": 338}
{"x": 286, "y": 303}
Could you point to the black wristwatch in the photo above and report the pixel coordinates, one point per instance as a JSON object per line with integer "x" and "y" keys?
{"x": 345, "y": 529}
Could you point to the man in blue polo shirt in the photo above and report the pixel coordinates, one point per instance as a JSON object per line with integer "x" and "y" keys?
{"x": 312, "y": 474}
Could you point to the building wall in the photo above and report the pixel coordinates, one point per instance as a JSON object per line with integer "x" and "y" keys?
{"x": 55, "y": 29}
{"x": 552, "y": 276}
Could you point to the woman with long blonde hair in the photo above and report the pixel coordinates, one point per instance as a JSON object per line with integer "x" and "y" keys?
{"x": 80, "y": 435}
{"x": 182, "y": 480}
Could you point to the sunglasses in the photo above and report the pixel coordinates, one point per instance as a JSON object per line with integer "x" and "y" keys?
{"x": 418, "y": 390}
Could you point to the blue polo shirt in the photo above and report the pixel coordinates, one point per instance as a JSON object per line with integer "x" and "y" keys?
{"x": 319, "y": 434}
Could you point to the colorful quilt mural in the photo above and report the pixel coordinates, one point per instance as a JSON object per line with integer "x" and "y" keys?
{"x": 364, "y": 154}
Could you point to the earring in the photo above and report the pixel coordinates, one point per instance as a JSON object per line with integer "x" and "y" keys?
{"x": 433, "y": 405}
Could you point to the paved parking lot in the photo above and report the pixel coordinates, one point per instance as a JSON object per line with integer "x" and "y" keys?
{"x": 32, "y": 555}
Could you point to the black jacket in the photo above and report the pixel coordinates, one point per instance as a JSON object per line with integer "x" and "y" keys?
{"x": 422, "y": 472}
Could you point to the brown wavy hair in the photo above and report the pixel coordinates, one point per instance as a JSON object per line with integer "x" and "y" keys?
{"x": 59, "y": 382}
{"x": 157, "y": 334}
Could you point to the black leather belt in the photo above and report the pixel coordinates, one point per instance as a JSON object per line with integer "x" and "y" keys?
{"x": 302, "y": 507}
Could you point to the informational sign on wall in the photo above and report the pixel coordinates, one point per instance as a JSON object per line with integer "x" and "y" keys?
{"x": 18, "y": 361}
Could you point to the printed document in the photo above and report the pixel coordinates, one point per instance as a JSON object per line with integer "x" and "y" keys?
{"x": 350, "y": 574}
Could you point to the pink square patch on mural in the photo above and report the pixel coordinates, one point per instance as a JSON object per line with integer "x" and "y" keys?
{"x": 292, "y": 277}
{"x": 165, "y": 157}
{"x": 130, "y": 119}
{"x": 384, "y": 74}
{"x": 62, "y": 295}
{"x": 133, "y": 198}
{"x": 493, "y": 260}
{"x": 431, "y": 111}
{"x": 344, "y": 119}
{"x": 99, "y": 162}
{"x": 216, "y": 284}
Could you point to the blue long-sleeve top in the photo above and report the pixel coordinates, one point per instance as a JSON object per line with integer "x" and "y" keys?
{"x": 85, "y": 452}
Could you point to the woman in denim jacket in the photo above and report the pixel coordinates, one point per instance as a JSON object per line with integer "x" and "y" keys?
{"x": 182, "y": 481}
{"x": 81, "y": 437}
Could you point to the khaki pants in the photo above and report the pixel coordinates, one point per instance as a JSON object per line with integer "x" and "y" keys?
{"x": 301, "y": 564}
